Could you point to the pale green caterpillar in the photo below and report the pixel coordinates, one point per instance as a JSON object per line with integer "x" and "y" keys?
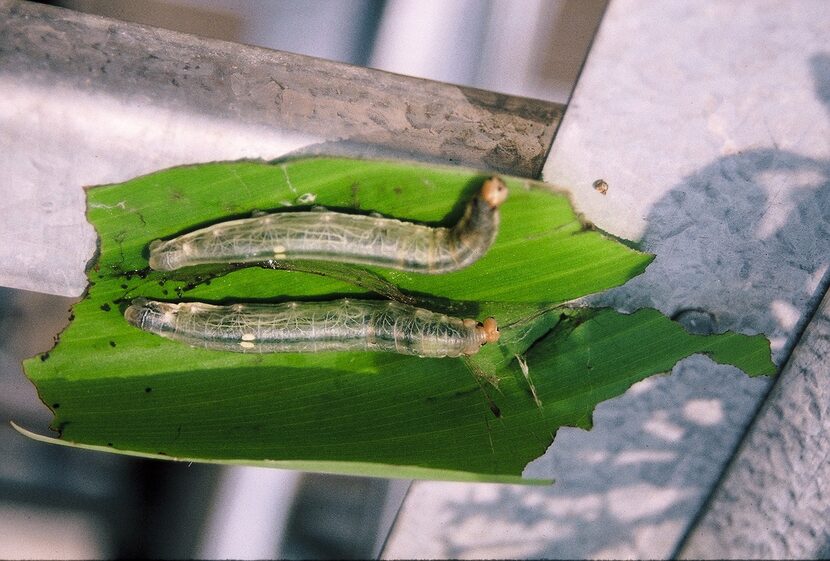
{"x": 345, "y": 238}
{"x": 309, "y": 327}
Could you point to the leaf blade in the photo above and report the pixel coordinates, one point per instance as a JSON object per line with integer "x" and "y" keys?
{"x": 117, "y": 388}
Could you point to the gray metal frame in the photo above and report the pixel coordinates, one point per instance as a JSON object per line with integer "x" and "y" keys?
{"x": 338, "y": 102}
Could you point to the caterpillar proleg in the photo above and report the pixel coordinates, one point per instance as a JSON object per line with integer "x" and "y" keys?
{"x": 346, "y": 238}
{"x": 307, "y": 327}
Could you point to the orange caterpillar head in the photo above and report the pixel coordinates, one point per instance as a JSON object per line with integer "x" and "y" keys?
{"x": 485, "y": 332}
{"x": 494, "y": 192}
{"x": 491, "y": 330}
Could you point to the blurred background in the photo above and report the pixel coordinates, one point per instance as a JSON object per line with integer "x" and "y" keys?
{"x": 62, "y": 503}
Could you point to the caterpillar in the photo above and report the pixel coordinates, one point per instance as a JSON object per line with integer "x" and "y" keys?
{"x": 346, "y": 238}
{"x": 308, "y": 327}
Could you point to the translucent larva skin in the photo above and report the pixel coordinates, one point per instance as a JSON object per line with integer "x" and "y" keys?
{"x": 311, "y": 327}
{"x": 345, "y": 238}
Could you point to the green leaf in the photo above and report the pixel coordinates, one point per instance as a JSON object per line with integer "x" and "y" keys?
{"x": 116, "y": 388}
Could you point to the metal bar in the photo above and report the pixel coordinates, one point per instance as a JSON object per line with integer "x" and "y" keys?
{"x": 290, "y": 92}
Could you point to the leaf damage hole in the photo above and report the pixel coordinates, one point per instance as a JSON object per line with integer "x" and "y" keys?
{"x": 495, "y": 410}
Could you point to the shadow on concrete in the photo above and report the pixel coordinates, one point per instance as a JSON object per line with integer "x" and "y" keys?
{"x": 746, "y": 238}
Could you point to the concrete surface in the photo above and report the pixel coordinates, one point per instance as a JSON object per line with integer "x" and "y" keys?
{"x": 709, "y": 123}
{"x": 774, "y": 502}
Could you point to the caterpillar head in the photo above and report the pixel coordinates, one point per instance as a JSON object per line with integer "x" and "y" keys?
{"x": 490, "y": 330}
{"x": 494, "y": 192}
